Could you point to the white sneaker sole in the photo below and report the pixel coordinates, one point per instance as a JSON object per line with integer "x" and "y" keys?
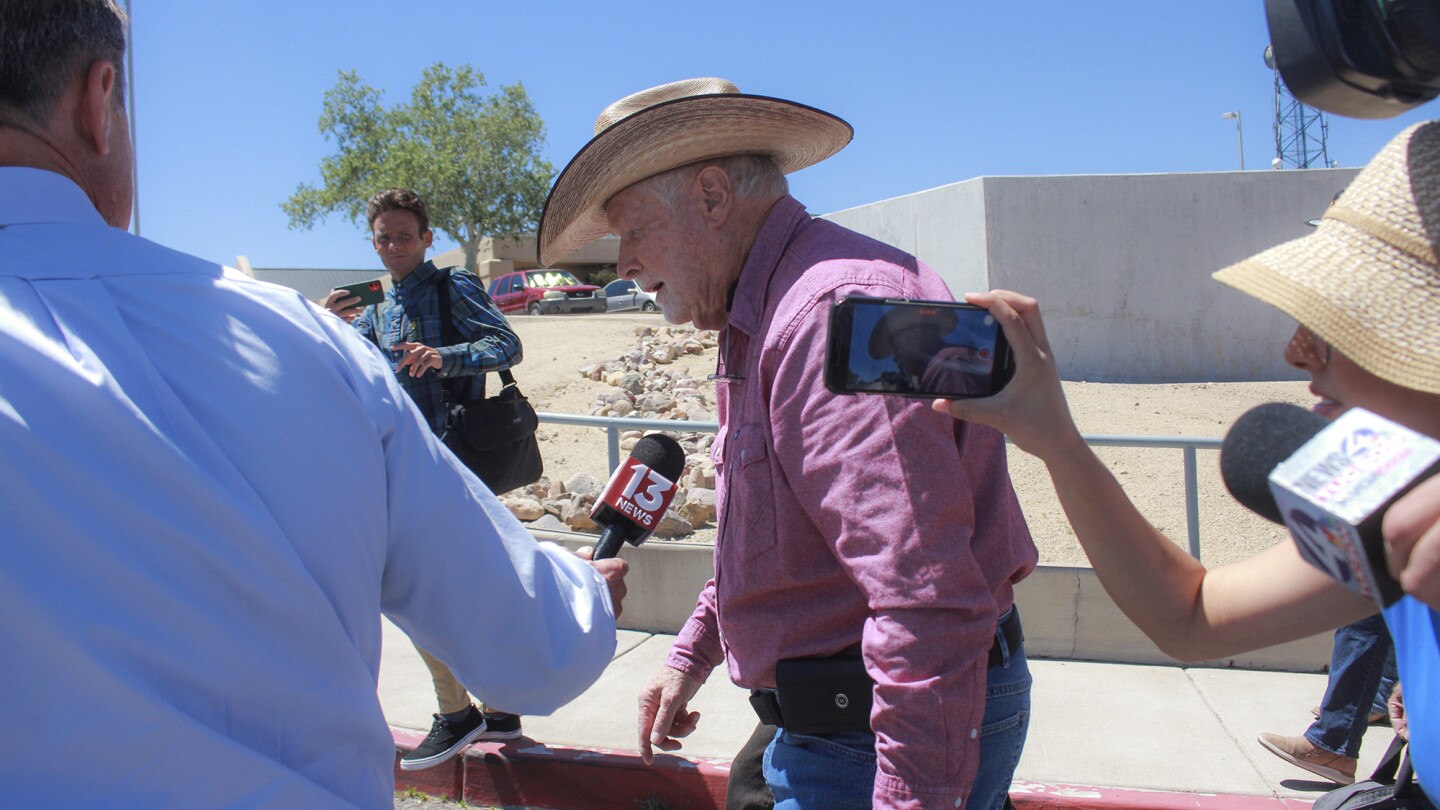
{"x": 501, "y": 735}
{"x": 443, "y": 756}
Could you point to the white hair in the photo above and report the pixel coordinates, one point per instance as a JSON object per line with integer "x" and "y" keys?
{"x": 750, "y": 176}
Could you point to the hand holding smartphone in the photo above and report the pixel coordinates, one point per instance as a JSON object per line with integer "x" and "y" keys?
{"x": 915, "y": 348}
{"x": 369, "y": 292}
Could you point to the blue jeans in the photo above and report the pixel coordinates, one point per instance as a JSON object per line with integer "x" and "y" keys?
{"x": 837, "y": 771}
{"x": 1362, "y": 676}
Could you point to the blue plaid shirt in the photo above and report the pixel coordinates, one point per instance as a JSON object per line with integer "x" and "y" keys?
{"x": 411, "y": 314}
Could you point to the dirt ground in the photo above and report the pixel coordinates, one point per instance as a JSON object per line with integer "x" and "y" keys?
{"x": 557, "y": 346}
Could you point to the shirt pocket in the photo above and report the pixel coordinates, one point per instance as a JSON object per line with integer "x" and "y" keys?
{"x": 752, "y": 499}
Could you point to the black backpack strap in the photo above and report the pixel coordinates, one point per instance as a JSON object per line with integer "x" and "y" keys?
{"x": 451, "y": 336}
{"x": 1405, "y": 786}
{"x": 1390, "y": 761}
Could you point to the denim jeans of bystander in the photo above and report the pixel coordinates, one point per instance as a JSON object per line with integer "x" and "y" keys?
{"x": 1362, "y": 675}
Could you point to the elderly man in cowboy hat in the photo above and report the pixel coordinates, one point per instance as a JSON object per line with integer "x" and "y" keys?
{"x": 845, "y": 557}
{"x": 915, "y": 339}
{"x": 1365, "y": 291}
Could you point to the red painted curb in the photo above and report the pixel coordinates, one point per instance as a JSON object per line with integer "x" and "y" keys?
{"x": 531, "y": 774}
{"x": 445, "y": 779}
{"x": 524, "y": 772}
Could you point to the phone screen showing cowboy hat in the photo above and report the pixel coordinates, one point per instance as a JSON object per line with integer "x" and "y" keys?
{"x": 915, "y": 348}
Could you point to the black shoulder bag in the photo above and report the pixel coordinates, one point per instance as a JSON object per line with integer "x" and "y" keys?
{"x": 493, "y": 436}
{"x": 1384, "y": 790}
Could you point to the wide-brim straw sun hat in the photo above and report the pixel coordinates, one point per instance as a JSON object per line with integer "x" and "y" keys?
{"x": 1367, "y": 281}
{"x": 670, "y": 126}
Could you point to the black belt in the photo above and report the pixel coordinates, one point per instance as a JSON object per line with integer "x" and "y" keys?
{"x": 1013, "y": 634}
{"x": 856, "y": 706}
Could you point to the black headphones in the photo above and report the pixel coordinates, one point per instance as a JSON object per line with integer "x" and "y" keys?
{"x": 1358, "y": 58}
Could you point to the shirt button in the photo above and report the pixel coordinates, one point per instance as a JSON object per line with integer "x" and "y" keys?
{"x": 974, "y": 734}
{"x": 960, "y": 801}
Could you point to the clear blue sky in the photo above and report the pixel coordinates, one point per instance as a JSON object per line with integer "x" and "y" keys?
{"x": 228, "y": 94}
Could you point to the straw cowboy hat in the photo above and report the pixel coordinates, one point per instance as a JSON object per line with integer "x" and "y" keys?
{"x": 1367, "y": 281}
{"x": 670, "y": 126}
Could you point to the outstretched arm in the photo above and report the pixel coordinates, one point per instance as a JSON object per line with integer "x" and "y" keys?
{"x": 1189, "y": 612}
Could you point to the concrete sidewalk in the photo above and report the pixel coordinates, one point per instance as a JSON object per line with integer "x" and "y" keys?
{"x": 1101, "y": 735}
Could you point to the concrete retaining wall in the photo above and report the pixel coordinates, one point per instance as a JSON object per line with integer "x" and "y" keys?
{"x": 1121, "y": 264}
{"x": 1065, "y": 611}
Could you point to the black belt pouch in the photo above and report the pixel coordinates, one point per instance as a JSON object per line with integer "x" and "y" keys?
{"x": 824, "y": 695}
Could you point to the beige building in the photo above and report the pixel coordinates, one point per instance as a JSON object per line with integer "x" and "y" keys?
{"x": 500, "y": 256}
{"x": 496, "y": 258}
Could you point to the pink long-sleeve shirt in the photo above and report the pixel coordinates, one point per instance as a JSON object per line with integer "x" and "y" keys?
{"x": 847, "y": 519}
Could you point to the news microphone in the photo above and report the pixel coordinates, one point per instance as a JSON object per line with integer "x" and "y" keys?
{"x": 1256, "y": 444}
{"x": 638, "y": 493}
{"x": 1329, "y": 483}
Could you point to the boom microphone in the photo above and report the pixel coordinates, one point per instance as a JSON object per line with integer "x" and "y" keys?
{"x": 1329, "y": 483}
{"x": 639, "y": 492}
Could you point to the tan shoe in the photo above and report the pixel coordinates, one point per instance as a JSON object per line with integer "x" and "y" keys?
{"x": 1305, "y": 754}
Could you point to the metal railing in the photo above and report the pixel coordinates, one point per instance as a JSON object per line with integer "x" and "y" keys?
{"x": 1188, "y": 444}
{"x": 614, "y": 425}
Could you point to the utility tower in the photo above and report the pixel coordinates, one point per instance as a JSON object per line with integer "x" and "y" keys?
{"x": 1300, "y": 131}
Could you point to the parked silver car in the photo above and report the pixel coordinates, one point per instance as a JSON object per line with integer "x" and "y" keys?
{"x": 623, "y": 294}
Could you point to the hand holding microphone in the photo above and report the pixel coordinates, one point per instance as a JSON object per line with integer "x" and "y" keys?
{"x": 1412, "y": 542}
{"x": 638, "y": 493}
{"x": 1330, "y": 483}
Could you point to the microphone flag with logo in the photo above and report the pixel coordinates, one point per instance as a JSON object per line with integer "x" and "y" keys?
{"x": 638, "y": 493}
{"x": 1330, "y": 483}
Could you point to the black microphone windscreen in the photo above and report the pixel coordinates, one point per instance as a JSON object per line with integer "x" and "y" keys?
{"x": 1256, "y": 444}
{"x": 662, "y": 454}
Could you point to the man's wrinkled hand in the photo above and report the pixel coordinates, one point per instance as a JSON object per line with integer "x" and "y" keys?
{"x": 664, "y": 712}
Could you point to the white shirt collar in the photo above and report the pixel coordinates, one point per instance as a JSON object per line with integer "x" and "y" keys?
{"x": 34, "y": 196}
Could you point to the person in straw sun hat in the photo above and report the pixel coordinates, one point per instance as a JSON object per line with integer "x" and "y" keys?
{"x": 1365, "y": 289}
{"x": 841, "y": 538}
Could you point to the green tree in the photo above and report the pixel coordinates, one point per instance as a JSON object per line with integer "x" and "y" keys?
{"x": 603, "y": 276}
{"x": 474, "y": 158}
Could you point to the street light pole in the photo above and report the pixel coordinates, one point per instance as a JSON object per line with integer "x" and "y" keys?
{"x": 1239, "y": 134}
{"x": 130, "y": 98}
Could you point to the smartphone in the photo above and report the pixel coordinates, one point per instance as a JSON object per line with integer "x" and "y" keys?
{"x": 915, "y": 348}
{"x": 370, "y": 292}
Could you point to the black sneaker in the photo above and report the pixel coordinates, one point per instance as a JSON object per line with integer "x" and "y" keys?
{"x": 500, "y": 726}
{"x": 445, "y": 741}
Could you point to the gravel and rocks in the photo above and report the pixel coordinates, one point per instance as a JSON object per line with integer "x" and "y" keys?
{"x": 610, "y": 364}
{"x": 643, "y": 382}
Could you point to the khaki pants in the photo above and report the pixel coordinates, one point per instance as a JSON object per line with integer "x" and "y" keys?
{"x": 449, "y": 692}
